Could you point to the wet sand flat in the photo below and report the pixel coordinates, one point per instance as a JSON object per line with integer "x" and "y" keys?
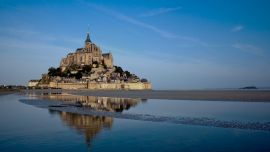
{"x": 218, "y": 95}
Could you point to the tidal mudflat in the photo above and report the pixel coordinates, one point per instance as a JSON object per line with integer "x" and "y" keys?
{"x": 59, "y": 121}
{"x": 212, "y": 95}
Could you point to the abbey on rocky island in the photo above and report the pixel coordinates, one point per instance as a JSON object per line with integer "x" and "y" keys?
{"x": 89, "y": 68}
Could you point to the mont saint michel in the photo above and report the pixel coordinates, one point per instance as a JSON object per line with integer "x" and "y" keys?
{"x": 90, "y": 68}
{"x": 148, "y": 76}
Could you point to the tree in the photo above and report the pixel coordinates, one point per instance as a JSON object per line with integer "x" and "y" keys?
{"x": 86, "y": 69}
{"x": 78, "y": 75}
{"x": 128, "y": 74}
{"x": 52, "y": 71}
{"x": 58, "y": 72}
{"x": 66, "y": 73}
{"x": 118, "y": 70}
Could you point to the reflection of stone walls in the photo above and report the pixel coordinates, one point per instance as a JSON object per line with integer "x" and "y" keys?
{"x": 98, "y": 103}
{"x": 90, "y": 126}
{"x": 91, "y": 85}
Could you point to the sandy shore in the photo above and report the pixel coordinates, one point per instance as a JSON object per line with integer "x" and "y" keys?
{"x": 218, "y": 95}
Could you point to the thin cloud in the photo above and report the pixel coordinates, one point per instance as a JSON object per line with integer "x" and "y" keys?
{"x": 160, "y": 11}
{"x": 30, "y": 34}
{"x": 249, "y": 48}
{"x": 136, "y": 22}
{"x": 133, "y": 21}
{"x": 238, "y": 28}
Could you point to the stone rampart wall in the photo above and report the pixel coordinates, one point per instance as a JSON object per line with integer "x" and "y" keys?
{"x": 102, "y": 86}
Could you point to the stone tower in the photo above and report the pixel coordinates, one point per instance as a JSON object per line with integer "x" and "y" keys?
{"x": 88, "y": 41}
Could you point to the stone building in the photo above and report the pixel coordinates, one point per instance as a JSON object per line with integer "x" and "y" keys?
{"x": 33, "y": 83}
{"x": 88, "y": 55}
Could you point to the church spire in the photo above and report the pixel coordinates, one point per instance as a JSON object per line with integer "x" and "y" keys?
{"x": 88, "y": 38}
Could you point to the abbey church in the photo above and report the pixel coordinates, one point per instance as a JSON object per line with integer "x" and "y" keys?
{"x": 88, "y": 55}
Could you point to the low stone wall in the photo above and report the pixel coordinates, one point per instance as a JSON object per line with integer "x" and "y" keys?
{"x": 102, "y": 86}
{"x": 68, "y": 85}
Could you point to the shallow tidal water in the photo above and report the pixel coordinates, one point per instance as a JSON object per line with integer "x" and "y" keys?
{"x": 85, "y": 123}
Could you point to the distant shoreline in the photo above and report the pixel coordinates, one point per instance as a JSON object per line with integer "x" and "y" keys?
{"x": 6, "y": 92}
{"x": 213, "y": 95}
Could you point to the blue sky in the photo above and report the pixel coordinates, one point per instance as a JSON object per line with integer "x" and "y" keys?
{"x": 175, "y": 44}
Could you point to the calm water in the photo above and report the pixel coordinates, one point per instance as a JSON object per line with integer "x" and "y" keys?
{"x": 80, "y": 123}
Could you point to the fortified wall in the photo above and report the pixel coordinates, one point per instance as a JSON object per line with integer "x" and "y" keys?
{"x": 102, "y": 86}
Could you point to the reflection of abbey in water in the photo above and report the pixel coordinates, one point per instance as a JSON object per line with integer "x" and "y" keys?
{"x": 98, "y": 103}
{"x": 90, "y": 126}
